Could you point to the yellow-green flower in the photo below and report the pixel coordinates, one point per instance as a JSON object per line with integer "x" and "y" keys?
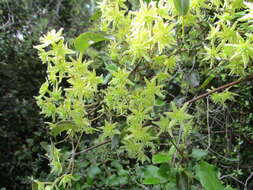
{"x": 50, "y": 38}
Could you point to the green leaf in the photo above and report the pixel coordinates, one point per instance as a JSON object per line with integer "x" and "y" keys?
{"x": 165, "y": 170}
{"x": 96, "y": 15}
{"x": 229, "y": 188}
{"x": 150, "y": 171}
{"x": 34, "y": 186}
{"x": 193, "y": 79}
{"x": 159, "y": 102}
{"x": 150, "y": 181}
{"x": 93, "y": 171}
{"x": 37, "y": 185}
{"x": 208, "y": 176}
{"x": 115, "y": 141}
{"x": 116, "y": 164}
{"x": 198, "y": 153}
{"x": 123, "y": 173}
{"x": 161, "y": 158}
{"x": 152, "y": 175}
{"x": 45, "y": 146}
{"x": 207, "y": 81}
{"x": 182, "y": 6}
{"x": 83, "y": 41}
{"x": 114, "y": 180}
{"x": 111, "y": 67}
{"x": 107, "y": 79}
{"x": 222, "y": 97}
{"x": 171, "y": 186}
{"x": 63, "y": 126}
{"x": 178, "y": 115}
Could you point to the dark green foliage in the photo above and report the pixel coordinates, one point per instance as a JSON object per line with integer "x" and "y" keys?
{"x": 21, "y": 24}
{"x": 20, "y": 121}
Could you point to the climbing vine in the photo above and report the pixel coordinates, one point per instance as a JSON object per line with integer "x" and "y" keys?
{"x": 158, "y": 58}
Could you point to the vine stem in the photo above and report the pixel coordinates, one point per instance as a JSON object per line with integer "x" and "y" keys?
{"x": 248, "y": 78}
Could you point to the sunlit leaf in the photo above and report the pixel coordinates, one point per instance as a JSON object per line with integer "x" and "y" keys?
{"x": 86, "y": 39}
{"x": 151, "y": 180}
{"x": 193, "y": 79}
{"x": 198, "y": 153}
{"x": 93, "y": 171}
{"x": 182, "y": 6}
{"x": 63, "y": 126}
{"x": 161, "y": 158}
{"x": 208, "y": 176}
{"x": 152, "y": 175}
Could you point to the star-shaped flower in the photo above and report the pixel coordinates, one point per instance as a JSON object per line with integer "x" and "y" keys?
{"x": 50, "y": 38}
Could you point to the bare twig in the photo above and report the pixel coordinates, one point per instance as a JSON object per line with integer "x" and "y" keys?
{"x": 231, "y": 176}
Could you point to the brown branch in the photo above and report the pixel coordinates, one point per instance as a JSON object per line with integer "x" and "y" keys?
{"x": 93, "y": 147}
{"x": 219, "y": 88}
